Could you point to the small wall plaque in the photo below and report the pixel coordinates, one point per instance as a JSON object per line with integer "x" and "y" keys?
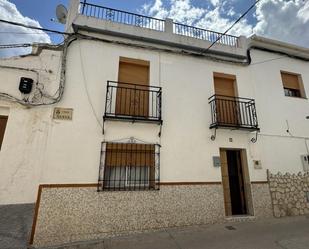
{"x": 63, "y": 113}
{"x": 216, "y": 161}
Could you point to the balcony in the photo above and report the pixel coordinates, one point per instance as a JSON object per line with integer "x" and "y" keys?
{"x": 133, "y": 102}
{"x": 233, "y": 113}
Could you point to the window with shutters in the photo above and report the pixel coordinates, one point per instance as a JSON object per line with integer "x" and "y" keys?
{"x": 129, "y": 166}
{"x": 292, "y": 85}
{"x": 131, "y": 97}
{"x": 3, "y": 122}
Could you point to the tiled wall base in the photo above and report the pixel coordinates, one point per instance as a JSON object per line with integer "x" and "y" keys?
{"x": 81, "y": 213}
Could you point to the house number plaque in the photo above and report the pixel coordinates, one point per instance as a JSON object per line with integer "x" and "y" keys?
{"x": 63, "y": 113}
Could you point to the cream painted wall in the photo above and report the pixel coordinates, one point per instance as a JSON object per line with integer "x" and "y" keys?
{"x": 39, "y": 150}
{"x": 24, "y": 146}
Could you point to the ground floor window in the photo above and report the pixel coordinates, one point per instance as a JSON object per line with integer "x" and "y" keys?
{"x": 129, "y": 166}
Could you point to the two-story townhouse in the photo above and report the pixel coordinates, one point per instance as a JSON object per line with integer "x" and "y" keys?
{"x": 156, "y": 130}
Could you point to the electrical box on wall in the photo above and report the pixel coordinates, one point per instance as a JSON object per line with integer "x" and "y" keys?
{"x": 257, "y": 164}
{"x": 305, "y": 161}
{"x": 25, "y": 85}
{"x": 216, "y": 161}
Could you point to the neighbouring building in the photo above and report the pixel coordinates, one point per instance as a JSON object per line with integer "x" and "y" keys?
{"x": 135, "y": 124}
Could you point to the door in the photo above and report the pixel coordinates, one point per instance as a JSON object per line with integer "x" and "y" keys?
{"x": 226, "y": 105}
{"x": 132, "y": 99}
{"x": 233, "y": 182}
{"x": 3, "y": 121}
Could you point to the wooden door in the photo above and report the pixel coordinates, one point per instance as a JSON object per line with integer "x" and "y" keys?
{"x": 233, "y": 182}
{"x": 132, "y": 99}
{"x": 3, "y": 122}
{"x": 225, "y": 183}
{"x": 226, "y": 106}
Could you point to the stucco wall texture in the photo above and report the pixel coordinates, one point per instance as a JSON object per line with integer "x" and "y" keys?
{"x": 81, "y": 213}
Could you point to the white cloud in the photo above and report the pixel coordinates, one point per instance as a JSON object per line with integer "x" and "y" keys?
{"x": 286, "y": 20}
{"x": 10, "y": 34}
{"x": 303, "y": 12}
{"x": 210, "y": 18}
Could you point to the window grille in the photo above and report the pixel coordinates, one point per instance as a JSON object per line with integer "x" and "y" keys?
{"x": 129, "y": 166}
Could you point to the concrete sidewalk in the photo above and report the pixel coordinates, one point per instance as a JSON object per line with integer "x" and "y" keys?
{"x": 285, "y": 233}
{"x": 15, "y": 225}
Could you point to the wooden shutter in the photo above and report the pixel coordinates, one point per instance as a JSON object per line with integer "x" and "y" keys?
{"x": 122, "y": 155}
{"x": 3, "y": 122}
{"x": 290, "y": 81}
{"x": 224, "y": 86}
{"x": 227, "y": 110}
{"x": 133, "y": 100}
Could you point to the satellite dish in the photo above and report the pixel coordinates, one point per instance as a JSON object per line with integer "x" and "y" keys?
{"x": 61, "y": 13}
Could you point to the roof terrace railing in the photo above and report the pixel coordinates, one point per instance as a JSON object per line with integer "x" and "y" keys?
{"x": 156, "y": 24}
{"x": 204, "y": 34}
{"x": 120, "y": 16}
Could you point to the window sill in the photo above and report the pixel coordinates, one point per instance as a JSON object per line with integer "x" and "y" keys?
{"x": 304, "y": 98}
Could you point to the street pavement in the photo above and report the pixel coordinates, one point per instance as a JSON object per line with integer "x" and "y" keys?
{"x": 15, "y": 225}
{"x": 285, "y": 233}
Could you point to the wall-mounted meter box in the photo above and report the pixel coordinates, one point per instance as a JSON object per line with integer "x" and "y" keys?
{"x": 216, "y": 161}
{"x": 305, "y": 161}
{"x": 25, "y": 85}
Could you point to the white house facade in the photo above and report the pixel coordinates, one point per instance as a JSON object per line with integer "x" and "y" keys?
{"x": 136, "y": 124}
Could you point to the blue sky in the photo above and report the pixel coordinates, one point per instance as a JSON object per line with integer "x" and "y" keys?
{"x": 43, "y": 11}
{"x": 286, "y": 20}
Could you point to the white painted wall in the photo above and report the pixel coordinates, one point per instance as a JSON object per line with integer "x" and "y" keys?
{"x": 24, "y": 147}
{"x": 38, "y": 149}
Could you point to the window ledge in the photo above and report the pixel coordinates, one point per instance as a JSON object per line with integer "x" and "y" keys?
{"x": 304, "y": 98}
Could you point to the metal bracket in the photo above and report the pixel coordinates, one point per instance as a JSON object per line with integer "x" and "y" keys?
{"x": 213, "y": 137}
{"x": 103, "y": 126}
{"x": 160, "y": 131}
{"x": 254, "y": 139}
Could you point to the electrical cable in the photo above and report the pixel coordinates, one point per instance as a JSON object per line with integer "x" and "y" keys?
{"x": 22, "y": 45}
{"x": 28, "y": 33}
{"x": 33, "y": 27}
{"x": 58, "y": 94}
{"x": 86, "y": 88}
{"x": 238, "y": 20}
{"x": 269, "y": 60}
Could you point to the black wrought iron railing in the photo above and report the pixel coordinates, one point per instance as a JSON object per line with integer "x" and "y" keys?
{"x": 204, "y": 34}
{"x": 120, "y": 16}
{"x": 129, "y": 166}
{"x": 134, "y": 102}
{"x": 233, "y": 112}
{"x": 152, "y": 23}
